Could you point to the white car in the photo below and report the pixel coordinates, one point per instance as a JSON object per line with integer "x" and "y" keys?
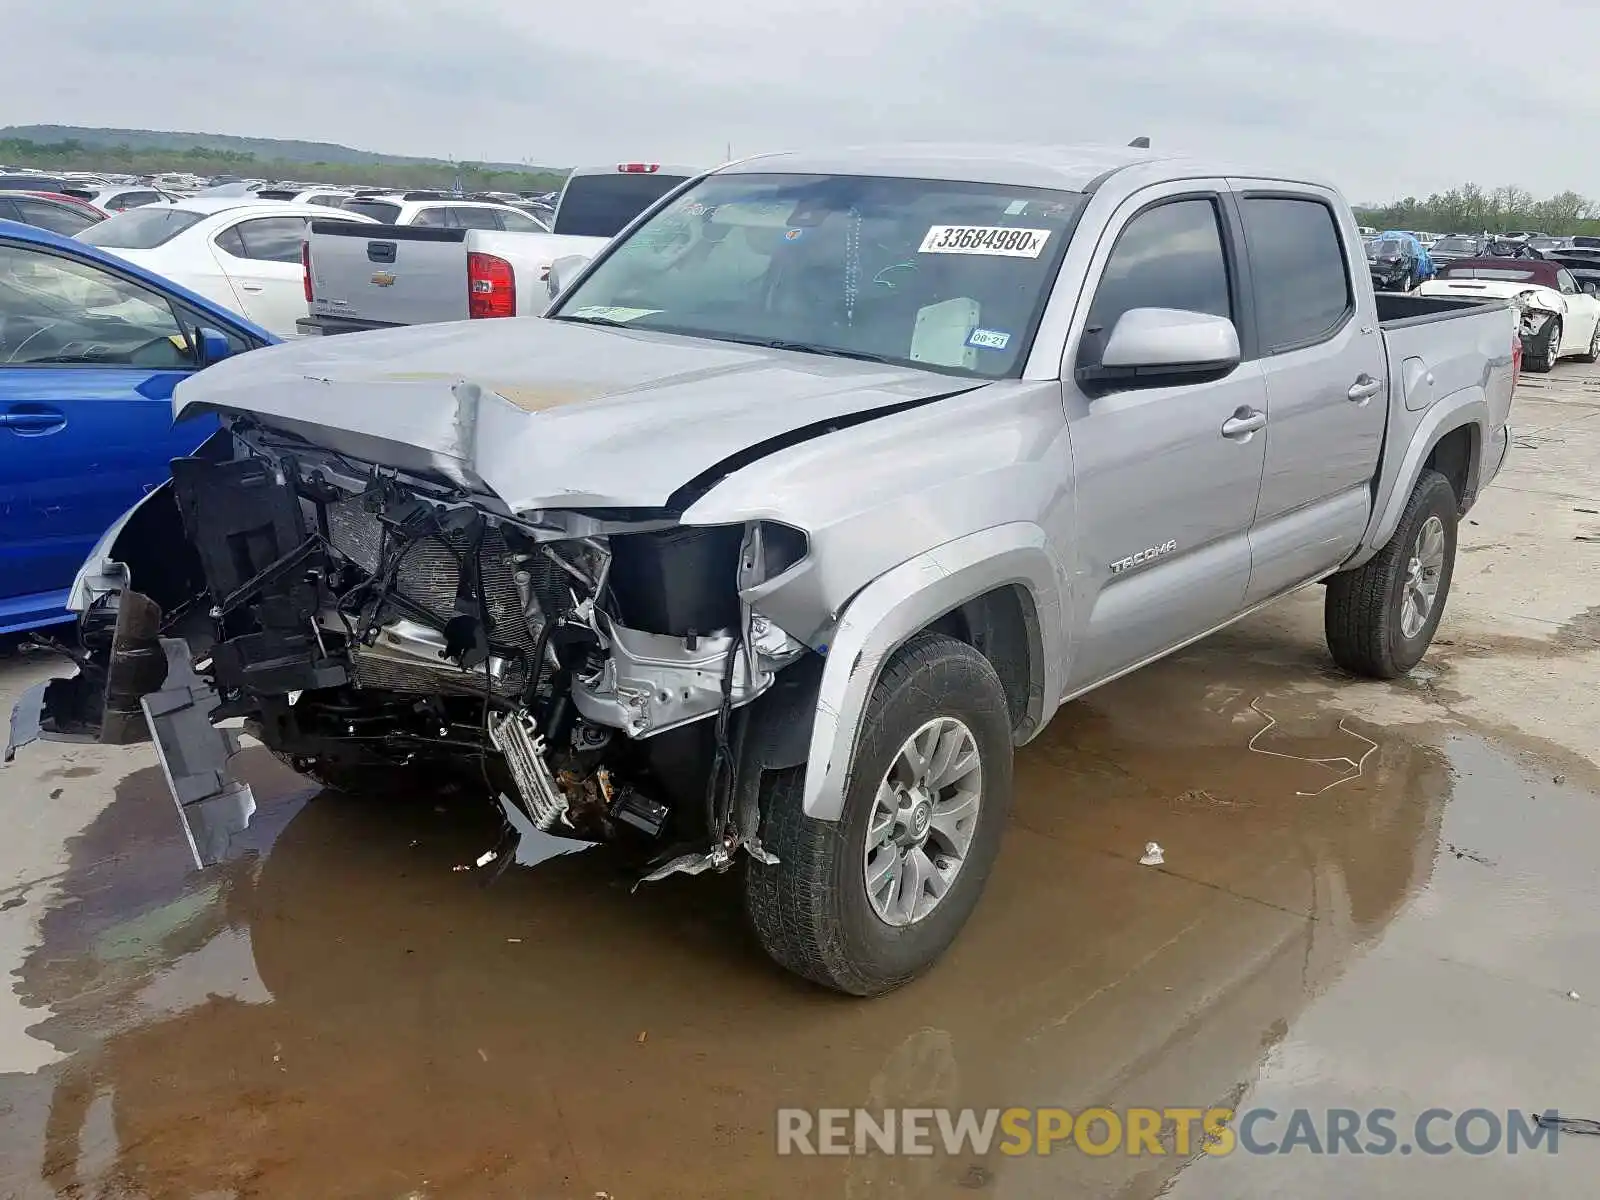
{"x": 322, "y": 197}
{"x": 1557, "y": 318}
{"x": 245, "y": 254}
{"x": 440, "y": 211}
{"x": 115, "y": 198}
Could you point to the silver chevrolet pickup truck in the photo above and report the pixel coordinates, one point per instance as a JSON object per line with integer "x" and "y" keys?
{"x": 809, "y": 501}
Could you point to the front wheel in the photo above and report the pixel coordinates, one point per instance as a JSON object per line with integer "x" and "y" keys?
{"x": 865, "y": 903}
{"x": 1381, "y": 617}
{"x": 1549, "y": 348}
{"x": 1407, "y": 283}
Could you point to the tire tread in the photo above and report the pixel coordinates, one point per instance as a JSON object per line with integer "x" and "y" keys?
{"x": 1358, "y": 617}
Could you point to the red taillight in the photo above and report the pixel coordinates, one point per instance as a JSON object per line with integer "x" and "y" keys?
{"x": 305, "y": 267}
{"x": 491, "y": 286}
{"x": 1516, "y": 356}
{"x": 639, "y": 168}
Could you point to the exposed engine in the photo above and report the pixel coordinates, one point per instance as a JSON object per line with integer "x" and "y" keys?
{"x": 585, "y": 668}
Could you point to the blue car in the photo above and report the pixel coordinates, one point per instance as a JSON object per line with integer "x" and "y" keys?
{"x": 90, "y": 350}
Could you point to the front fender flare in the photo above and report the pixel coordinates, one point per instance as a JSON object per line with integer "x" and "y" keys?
{"x": 1395, "y": 482}
{"x": 906, "y": 599}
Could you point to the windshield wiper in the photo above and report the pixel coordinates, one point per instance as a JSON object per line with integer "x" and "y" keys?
{"x": 608, "y": 321}
{"x": 807, "y": 348}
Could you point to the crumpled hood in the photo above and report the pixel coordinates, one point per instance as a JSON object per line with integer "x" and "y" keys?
{"x": 549, "y": 414}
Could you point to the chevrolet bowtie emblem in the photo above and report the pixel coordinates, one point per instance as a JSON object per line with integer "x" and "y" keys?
{"x": 383, "y": 279}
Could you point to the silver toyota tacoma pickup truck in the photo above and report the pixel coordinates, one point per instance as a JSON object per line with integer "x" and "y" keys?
{"x": 809, "y": 500}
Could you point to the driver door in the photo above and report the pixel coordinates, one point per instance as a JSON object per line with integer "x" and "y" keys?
{"x": 88, "y": 362}
{"x": 1166, "y": 480}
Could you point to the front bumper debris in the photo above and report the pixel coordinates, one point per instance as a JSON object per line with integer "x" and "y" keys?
{"x": 196, "y": 756}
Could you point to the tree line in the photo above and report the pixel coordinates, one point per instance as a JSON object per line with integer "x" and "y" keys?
{"x": 1473, "y": 209}
{"x": 73, "y": 155}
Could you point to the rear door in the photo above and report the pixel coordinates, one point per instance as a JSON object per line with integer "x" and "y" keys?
{"x": 1166, "y": 479}
{"x": 261, "y": 257}
{"x": 1326, "y": 379}
{"x": 88, "y": 361}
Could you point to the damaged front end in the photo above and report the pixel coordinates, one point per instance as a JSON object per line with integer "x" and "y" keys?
{"x": 1534, "y": 317}
{"x": 598, "y": 674}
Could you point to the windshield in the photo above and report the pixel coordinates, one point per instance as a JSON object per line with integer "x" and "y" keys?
{"x": 1455, "y": 243}
{"x": 378, "y": 210}
{"x": 931, "y": 273}
{"x": 139, "y": 228}
{"x": 1387, "y": 249}
{"x": 600, "y": 205}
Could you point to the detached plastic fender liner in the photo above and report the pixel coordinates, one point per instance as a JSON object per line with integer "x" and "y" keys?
{"x": 1468, "y": 406}
{"x": 897, "y": 604}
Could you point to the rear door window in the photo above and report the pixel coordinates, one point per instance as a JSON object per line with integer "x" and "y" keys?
{"x": 473, "y": 218}
{"x": 378, "y": 210}
{"x": 57, "y": 218}
{"x": 431, "y": 218}
{"x": 1297, "y": 266}
{"x": 516, "y": 222}
{"x": 273, "y": 239}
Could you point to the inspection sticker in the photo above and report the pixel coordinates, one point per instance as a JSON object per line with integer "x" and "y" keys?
{"x": 989, "y": 339}
{"x": 985, "y": 239}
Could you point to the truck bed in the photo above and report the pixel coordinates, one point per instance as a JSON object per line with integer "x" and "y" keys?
{"x": 1397, "y": 309}
{"x": 1437, "y": 349}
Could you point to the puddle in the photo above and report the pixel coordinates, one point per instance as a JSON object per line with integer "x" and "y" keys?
{"x": 337, "y": 1012}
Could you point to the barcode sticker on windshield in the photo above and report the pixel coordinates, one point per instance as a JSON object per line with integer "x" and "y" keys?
{"x": 984, "y": 239}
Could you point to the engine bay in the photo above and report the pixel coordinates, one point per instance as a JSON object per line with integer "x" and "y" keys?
{"x": 589, "y": 669}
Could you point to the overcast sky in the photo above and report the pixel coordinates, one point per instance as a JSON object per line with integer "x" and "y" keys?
{"x": 1386, "y": 96}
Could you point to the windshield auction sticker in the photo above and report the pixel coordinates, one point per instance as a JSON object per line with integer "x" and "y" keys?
{"x": 610, "y": 312}
{"x": 984, "y": 239}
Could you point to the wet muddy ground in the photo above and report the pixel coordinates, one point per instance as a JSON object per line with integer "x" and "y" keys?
{"x": 338, "y": 1012}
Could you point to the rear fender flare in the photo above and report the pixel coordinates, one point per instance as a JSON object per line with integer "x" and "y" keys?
{"x": 1463, "y": 408}
{"x": 908, "y": 598}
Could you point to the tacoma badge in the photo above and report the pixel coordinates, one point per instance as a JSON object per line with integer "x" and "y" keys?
{"x": 1142, "y": 557}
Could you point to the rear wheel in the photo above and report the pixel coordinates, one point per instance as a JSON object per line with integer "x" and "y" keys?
{"x": 1380, "y": 618}
{"x": 1592, "y": 354}
{"x": 865, "y": 903}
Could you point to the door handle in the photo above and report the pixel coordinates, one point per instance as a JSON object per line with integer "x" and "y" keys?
{"x": 251, "y": 287}
{"x": 1243, "y": 423}
{"x": 37, "y": 421}
{"x": 1364, "y": 388}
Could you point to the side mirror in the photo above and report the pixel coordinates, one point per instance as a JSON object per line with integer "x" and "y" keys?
{"x": 1162, "y": 347}
{"x": 213, "y": 344}
{"x": 1589, "y": 289}
{"x": 564, "y": 270}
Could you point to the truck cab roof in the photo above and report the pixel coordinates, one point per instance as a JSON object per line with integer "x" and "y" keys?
{"x": 1077, "y": 168}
